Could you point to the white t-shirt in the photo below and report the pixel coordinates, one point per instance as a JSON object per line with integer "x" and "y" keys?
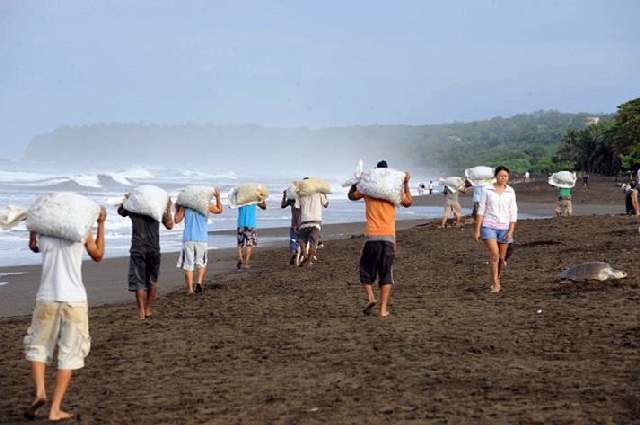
{"x": 311, "y": 208}
{"x": 61, "y": 271}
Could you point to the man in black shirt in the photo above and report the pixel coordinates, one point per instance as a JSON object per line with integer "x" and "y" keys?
{"x": 144, "y": 261}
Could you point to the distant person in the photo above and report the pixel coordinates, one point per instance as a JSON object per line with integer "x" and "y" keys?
{"x": 422, "y": 189}
{"x": 627, "y": 189}
{"x": 195, "y": 243}
{"x": 585, "y": 181}
{"x": 564, "y": 207}
{"x": 477, "y": 195}
{"x": 294, "y": 245}
{"x": 247, "y": 235}
{"x": 496, "y": 222}
{"x": 310, "y": 224}
{"x": 635, "y": 201}
{"x": 526, "y": 176}
{"x": 451, "y": 206}
{"x": 60, "y": 317}
{"x": 144, "y": 256}
{"x": 376, "y": 260}
{"x": 430, "y": 187}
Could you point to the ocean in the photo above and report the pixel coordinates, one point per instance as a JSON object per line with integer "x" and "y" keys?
{"x": 21, "y": 183}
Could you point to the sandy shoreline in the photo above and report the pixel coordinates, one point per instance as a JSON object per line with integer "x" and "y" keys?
{"x": 106, "y": 281}
{"x": 287, "y": 345}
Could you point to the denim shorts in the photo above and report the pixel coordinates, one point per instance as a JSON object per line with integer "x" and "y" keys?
{"x": 487, "y": 233}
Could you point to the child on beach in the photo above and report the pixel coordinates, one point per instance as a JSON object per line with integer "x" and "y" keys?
{"x": 376, "y": 261}
{"x": 144, "y": 261}
{"x": 496, "y": 222}
{"x": 195, "y": 243}
{"x": 60, "y": 317}
{"x": 247, "y": 236}
{"x": 564, "y": 207}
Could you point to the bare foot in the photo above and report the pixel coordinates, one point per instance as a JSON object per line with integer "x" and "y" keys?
{"x": 141, "y": 315}
{"x": 148, "y": 313}
{"x": 31, "y": 411}
{"x": 59, "y": 416}
{"x": 367, "y": 309}
{"x": 495, "y": 288}
{"x": 384, "y": 314}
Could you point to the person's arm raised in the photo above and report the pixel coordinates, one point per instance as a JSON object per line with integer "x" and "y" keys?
{"x": 167, "y": 217}
{"x": 217, "y": 208}
{"x": 33, "y": 242}
{"x": 353, "y": 194}
{"x": 95, "y": 247}
{"x": 407, "y": 199}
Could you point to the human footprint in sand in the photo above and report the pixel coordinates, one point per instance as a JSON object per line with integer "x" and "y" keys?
{"x": 60, "y": 317}
{"x": 496, "y": 221}
{"x": 376, "y": 261}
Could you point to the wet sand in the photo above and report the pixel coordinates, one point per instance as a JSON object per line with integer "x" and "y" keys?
{"x": 279, "y": 344}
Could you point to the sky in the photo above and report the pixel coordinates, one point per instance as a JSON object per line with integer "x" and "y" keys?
{"x": 311, "y": 63}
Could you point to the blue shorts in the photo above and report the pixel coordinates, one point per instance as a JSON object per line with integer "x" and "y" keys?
{"x": 499, "y": 235}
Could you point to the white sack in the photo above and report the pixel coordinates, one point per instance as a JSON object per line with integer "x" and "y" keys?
{"x": 479, "y": 176}
{"x": 566, "y": 179}
{"x": 454, "y": 184}
{"x": 63, "y": 215}
{"x": 197, "y": 198}
{"x": 11, "y": 216}
{"x": 291, "y": 192}
{"x": 380, "y": 183}
{"x": 311, "y": 186}
{"x": 247, "y": 194}
{"x": 147, "y": 200}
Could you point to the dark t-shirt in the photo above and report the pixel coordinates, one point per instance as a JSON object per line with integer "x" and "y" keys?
{"x": 295, "y": 213}
{"x": 145, "y": 232}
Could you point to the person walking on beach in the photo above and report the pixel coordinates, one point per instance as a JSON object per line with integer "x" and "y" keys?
{"x": 564, "y": 207}
{"x": 310, "y": 224}
{"x": 451, "y": 205}
{"x": 195, "y": 243}
{"x": 144, "y": 256}
{"x": 585, "y": 181}
{"x": 477, "y": 194}
{"x": 376, "y": 260}
{"x": 430, "y": 187}
{"x": 247, "y": 235}
{"x": 496, "y": 222}
{"x": 635, "y": 201}
{"x": 60, "y": 317}
{"x": 294, "y": 245}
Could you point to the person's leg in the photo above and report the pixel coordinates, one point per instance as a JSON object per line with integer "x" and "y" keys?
{"x": 63, "y": 377}
{"x": 385, "y": 295}
{"x": 502, "y": 249}
{"x": 247, "y": 255}
{"x": 152, "y": 294}
{"x": 37, "y": 372}
{"x": 201, "y": 272}
{"x": 240, "y": 256}
{"x": 141, "y": 298}
{"x": 494, "y": 259}
{"x": 241, "y": 241}
{"x": 445, "y": 217}
{"x": 303, "y": 250}
{"x": 188, "y": 281}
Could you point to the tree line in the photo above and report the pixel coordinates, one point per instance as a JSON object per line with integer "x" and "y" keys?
{"x": 609, "y": 147}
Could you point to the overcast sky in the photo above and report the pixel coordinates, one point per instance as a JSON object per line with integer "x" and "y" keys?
{"x": 315, "y": 63}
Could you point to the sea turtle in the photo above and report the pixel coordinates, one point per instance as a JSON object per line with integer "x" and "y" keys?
{"x": 592, "y": 271}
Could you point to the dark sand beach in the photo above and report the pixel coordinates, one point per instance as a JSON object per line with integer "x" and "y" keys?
{"x": 279, "y": 344}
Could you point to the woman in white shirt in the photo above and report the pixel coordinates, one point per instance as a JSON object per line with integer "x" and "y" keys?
{"x": 496, "y": 222}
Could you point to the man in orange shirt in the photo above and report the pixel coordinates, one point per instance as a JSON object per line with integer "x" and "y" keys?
{"x": 376, "y": 262}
